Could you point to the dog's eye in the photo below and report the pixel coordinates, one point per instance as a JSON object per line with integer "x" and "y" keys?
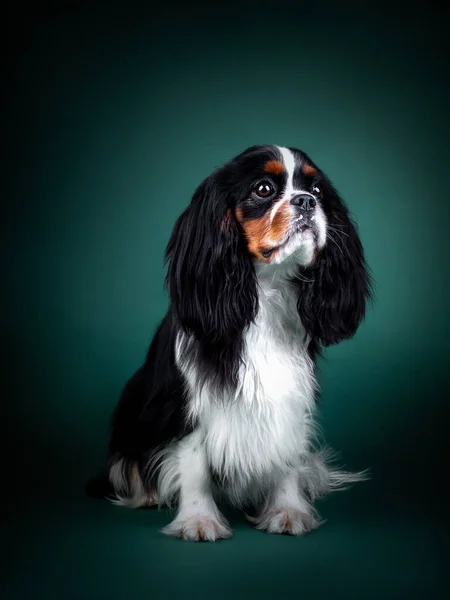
{"x": 263, "y": 190}
{"x": 317, "y": 191}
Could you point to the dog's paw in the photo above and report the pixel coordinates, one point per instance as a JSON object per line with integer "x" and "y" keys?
{"x": 289, "y": 521}
{"x": 199, "y": 528}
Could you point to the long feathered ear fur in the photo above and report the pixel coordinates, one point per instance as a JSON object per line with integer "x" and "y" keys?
{"x": 333, "y": 292}
{"x": 211, "y": 279}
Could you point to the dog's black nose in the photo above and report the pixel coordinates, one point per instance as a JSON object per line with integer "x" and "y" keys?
{"x": 304, "y": 201}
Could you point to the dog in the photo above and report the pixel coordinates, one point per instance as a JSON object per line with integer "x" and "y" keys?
{"x": 265, "y": 268}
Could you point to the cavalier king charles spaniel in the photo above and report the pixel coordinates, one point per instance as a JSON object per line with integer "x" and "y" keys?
{"x": 265, "y": 268}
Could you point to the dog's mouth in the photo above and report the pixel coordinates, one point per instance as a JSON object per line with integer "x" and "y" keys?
{"x": 298, "y": 226}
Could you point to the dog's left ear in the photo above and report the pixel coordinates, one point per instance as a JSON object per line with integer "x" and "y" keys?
{"x": 333, "y": 293}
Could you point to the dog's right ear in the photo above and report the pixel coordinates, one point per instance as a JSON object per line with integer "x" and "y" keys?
{"x": 210, "y": 277}
{"x": 334, "y": 292}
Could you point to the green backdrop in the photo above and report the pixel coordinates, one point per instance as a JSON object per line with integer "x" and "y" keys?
{"x": 115, "y": 114}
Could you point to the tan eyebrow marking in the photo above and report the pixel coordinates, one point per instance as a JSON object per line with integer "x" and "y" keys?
{"x": 309, "y": 170}
{"x": 274, "y": 167}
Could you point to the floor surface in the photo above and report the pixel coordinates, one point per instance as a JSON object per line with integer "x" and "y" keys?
{"x": 82, "y": 549}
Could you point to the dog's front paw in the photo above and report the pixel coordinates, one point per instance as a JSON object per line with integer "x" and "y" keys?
{"x": 289, "y": 521}
{"x": 199, "y": 528}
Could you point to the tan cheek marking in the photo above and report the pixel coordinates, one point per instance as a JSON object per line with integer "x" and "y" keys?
{"x": 309, "y": 170}
{"x": 262, "y": 233}
{"x": 274, "y": 167}
{"x": 280, "y": 224}
{"x": 256, "y": 231}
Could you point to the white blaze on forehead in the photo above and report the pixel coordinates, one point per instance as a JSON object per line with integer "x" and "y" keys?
{"x": 289, "y": 164}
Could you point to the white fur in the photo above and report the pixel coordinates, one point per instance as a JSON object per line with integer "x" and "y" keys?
{"x": 267, "y": 421}
{"x": 130, "y": 491}
{"x": 286, "y": 509}
{"x": 260, "y": 440}
{"x": 185, "y": 472}
{"x": 321, "y": 221}
{"x": 289, "y": 164}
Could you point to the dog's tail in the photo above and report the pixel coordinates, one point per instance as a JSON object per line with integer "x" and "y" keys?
{"x": 321, "y": 475}
{"x": 99, "y": 487}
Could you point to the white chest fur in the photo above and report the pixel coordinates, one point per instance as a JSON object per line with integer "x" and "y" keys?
{"x": 266, "y": 424}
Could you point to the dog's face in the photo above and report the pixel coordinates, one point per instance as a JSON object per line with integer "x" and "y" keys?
{"x": 267, "y": 206}
{"x": 278, "y": 200}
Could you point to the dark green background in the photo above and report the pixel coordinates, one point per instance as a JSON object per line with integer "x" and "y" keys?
{"x": 115, "y": 114}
